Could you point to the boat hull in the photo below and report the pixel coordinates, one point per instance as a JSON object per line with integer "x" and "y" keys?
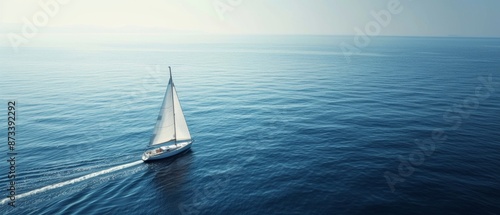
{"x": 166, "y": 151}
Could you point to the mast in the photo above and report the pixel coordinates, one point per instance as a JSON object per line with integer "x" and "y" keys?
{"x": 173, "y": 106}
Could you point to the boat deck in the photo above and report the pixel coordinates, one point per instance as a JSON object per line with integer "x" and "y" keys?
{"x": 163, "y": 149}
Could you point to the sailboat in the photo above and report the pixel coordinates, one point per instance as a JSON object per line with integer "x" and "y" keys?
{"x": 171, "y": 134}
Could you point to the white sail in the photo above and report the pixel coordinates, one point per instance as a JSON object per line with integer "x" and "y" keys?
{"x": 181, "y": 128}
{"x": 171, "y": 124}
{"x": 164, "y": 129}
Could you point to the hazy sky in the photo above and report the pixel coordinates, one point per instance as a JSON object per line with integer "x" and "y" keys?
{"x": 417, "y": 18}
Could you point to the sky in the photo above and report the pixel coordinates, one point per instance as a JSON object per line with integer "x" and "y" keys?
{"x": 303, "y": 17}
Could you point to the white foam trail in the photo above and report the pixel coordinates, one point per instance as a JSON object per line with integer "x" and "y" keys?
{"x": 72, "y": 181}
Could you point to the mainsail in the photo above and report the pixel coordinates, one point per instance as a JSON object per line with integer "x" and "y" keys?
{"x": 181, "y": 128}
{"x": 171, "y": 124}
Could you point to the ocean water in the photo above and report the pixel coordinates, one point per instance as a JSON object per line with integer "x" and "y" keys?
{"x": 283, "y": 125}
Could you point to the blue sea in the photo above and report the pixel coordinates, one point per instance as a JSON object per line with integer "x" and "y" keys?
{"x": 282, "y": 125}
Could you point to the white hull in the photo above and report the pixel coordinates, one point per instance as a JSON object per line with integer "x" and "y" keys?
{"x": 166, "y": 151}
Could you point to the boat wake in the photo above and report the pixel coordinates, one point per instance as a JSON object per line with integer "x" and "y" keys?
{"x": 72, "y": 181}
